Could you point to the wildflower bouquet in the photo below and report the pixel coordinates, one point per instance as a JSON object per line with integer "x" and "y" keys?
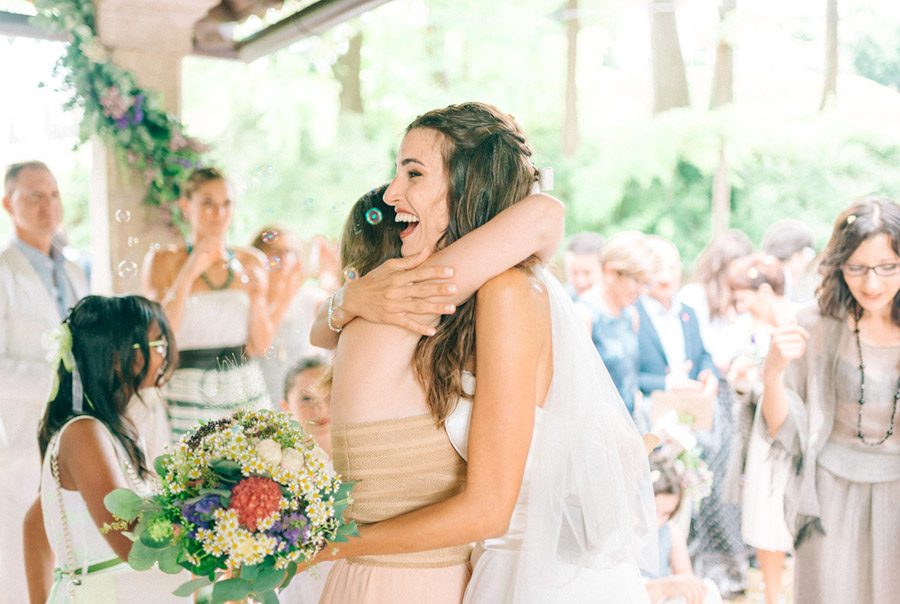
{"x": 242, "y": 501}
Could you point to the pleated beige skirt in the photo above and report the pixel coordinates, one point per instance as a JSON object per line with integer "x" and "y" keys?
{"x": 858, "y": 560}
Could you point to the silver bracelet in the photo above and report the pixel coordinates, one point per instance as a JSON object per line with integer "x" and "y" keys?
{"x": 331, "y": 315}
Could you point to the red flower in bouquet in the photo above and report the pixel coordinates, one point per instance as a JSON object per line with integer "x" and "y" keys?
{"x": 255, "y": 499}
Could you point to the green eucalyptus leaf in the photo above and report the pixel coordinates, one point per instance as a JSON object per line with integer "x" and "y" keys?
{"x": 186, "y": 589}
{"x": 231, "y": 589}
{"x": 141, "y": 557}
{"x": 123, "y": 503}
{"x": 250, "y": 573}
{"x": 268, "y": 597}
{"x": 269, "y": 578}
{"x": 168, "y": 561}
{"x": 159, "y": 464}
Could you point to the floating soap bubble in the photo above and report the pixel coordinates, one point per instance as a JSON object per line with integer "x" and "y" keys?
{"x": 373, "y": 216}
{"x": 350, "y": 274}
{"x": 133, "y": 241}
{"x": 127, "y": 269}
{"x": 275, "y": 263}
{"x": 269, "y": 236}
{"x": 123, "y": 216}
{"x": 155, "y": 246}
{"x": 270, "y": 352}
{"x": 245, "y": 279}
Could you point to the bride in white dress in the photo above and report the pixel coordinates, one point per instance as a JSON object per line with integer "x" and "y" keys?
{"x": 558, "y": 493}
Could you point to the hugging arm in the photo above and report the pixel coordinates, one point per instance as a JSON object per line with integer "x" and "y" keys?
{"x": 400, "y": 291}
{"x": 508, "y": 361}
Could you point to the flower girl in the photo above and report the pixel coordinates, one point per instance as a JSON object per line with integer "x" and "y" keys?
{"x": 105, "y": 351}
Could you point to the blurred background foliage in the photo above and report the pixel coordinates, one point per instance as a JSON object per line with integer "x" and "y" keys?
{"x": 305, "y": 131}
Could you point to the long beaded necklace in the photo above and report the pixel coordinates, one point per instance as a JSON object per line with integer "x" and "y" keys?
{"x": 862, "y": 395}
{"x": 229, "y": 279}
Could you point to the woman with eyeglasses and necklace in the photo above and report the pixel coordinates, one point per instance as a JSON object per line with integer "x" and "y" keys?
{"x": 830, "y": 393}
{"x": 215, "y": 299}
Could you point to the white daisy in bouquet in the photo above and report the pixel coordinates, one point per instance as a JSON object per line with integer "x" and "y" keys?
{"x": 242, "y": 502}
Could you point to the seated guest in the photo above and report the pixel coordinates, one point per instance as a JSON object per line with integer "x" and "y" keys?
{"x": 627, "y": 265}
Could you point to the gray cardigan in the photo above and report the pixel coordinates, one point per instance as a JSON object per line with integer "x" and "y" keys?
{"x": 810, "y": 390}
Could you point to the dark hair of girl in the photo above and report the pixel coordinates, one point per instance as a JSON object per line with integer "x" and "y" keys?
{"x": 104, "y": 334}
{"x": 864, "y": 219}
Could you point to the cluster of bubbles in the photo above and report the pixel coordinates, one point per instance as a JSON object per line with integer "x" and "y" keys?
{"x": 374, "y": 216}
{"x": 133, "y": 241}
{"x": 269, "y": 236}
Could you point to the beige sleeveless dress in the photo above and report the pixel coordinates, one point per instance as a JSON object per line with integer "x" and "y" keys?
{"x": 399, "y": 466}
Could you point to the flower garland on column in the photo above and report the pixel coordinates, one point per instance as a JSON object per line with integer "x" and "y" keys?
{"x": 149, "y": 139}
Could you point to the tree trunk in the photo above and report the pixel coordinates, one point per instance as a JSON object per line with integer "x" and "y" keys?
{"x": 721, "y": 195}
{"x": 831, "y": 55}
{"x": 723, "y": 77}
{"x": 670, "y": 87}
{"x": 570, "y": 127}
{"x": 346, "y": 71}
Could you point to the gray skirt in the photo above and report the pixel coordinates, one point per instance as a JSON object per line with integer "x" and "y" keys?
{"x": 858, "y": 559}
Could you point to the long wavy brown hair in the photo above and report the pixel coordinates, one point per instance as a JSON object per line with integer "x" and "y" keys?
{"x": 866, "y": 218}
{"x": 488, "y": 162}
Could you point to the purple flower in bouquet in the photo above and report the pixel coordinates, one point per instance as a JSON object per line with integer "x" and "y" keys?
{"x": 199, "y": 513}
{"x": 292, "y": 529}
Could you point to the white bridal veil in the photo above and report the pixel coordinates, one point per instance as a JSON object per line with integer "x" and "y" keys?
{"x": 591, "y": 516}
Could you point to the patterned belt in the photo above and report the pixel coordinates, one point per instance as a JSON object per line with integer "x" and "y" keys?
{"x": 210, "y": 359}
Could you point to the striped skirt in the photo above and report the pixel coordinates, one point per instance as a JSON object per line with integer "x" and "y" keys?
{"x": 202, "y": 391}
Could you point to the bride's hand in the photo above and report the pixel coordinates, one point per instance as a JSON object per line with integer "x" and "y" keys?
{"x": 400, "y": 292}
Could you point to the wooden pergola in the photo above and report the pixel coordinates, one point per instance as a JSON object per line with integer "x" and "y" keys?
{"x": 151, "y": 38}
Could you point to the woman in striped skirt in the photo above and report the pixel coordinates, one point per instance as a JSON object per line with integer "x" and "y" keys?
{"x": 215, "y": 298}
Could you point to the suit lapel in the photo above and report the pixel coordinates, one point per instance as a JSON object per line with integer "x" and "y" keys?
{"x": 29, "y": 288}
{"x": 651, "y": 331}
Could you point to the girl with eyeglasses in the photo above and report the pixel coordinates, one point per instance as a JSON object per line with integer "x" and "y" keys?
{"x": 108, "y": 350}
{"x": 830, "y": 394}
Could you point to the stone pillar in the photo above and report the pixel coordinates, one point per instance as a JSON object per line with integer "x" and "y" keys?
{"x": 149, "y": 38}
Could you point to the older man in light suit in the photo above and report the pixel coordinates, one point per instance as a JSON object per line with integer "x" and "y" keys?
{"x": 37, "y": 288}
